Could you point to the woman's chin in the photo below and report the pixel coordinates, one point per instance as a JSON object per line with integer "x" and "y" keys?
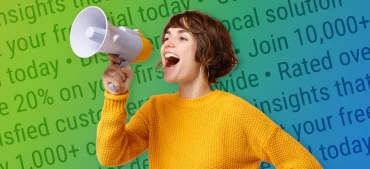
{"x": 169, "y": 79}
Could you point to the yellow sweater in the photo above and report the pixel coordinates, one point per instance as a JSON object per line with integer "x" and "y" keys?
{"x": 216, "y": 131}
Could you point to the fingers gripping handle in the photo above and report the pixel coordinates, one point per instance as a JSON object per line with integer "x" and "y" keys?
{"x": 122, "y": 63}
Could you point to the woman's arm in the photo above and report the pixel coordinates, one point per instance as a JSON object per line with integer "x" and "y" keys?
{"x": 284, "y": 152}
{"x": 270, "y": 143}
{"x": 118, "y": 143}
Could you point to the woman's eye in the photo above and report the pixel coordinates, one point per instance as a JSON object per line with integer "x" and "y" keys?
{"x": 182, "y": 38}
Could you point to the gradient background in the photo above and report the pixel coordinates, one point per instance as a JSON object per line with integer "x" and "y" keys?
{"x": 74, "y": 73}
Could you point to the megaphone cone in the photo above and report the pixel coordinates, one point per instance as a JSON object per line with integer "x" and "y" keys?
{"x": 91, "y": 33}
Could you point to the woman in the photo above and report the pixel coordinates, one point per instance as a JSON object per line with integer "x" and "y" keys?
{"x": 194, "y": 127}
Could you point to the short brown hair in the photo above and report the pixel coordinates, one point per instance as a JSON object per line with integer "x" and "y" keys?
{"x": 214, "y": 45}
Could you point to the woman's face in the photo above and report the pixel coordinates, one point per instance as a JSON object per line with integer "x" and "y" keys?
{"x": 178, "y": 56}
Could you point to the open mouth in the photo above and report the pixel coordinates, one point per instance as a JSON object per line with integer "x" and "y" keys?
{"x": 171, "y": 59}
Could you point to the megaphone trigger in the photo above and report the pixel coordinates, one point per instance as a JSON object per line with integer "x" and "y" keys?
{"x": 124, "y": 63}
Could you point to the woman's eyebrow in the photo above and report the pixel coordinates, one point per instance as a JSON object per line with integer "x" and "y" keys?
{"x": 179, "y": 31}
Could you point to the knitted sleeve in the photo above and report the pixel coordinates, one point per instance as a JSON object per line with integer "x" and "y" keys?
{"x": 284, "y": 152}
{"x": 118, "y": 143}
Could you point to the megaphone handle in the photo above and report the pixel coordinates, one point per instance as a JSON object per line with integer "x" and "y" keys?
{"x": 123, "y": 63}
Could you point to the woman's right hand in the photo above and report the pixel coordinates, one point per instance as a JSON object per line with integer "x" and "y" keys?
{"x": 120, "y": 77}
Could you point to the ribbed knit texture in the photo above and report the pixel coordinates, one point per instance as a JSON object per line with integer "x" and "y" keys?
{"x": 216, "y": 131}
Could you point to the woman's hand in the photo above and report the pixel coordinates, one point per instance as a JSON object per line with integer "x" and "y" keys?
{"x": 120, "y": 77}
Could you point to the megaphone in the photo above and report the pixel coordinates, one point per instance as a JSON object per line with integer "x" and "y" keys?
{"x": 91, "y": 33}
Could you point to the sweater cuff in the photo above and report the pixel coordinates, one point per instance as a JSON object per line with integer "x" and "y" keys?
{"x": 115, "y": 103}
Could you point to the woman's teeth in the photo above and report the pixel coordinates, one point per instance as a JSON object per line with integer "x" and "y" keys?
{"x": 167, "y": 55}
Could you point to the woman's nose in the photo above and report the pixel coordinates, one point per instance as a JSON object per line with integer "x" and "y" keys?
{"x": 169, "y": 43}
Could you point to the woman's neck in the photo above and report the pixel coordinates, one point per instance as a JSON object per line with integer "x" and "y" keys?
{"x": 194, "y": 89}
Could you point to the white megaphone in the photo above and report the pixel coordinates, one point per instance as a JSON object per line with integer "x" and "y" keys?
{"x": 92, "y": 33}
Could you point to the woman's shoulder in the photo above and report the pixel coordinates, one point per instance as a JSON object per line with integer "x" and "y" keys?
{"x": 234, "y": 98}
{"x": 239, "y": 104}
